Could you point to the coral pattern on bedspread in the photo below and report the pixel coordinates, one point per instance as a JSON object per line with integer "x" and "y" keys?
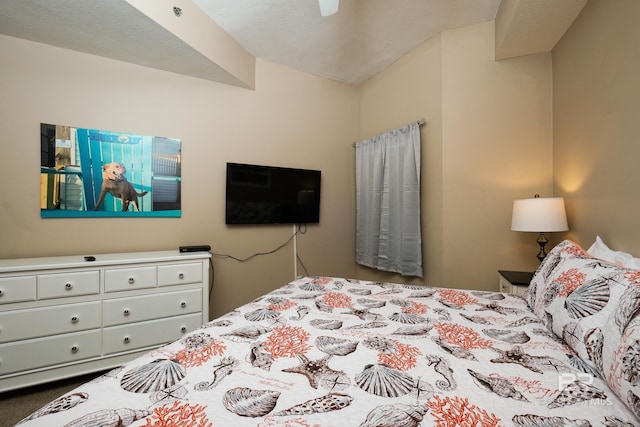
{"x": 324, "y": 351}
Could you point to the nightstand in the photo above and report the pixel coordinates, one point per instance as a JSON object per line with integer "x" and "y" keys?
{"x": 514, "y": 282}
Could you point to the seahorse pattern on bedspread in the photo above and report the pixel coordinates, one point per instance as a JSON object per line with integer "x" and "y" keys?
{"x": 324, "y": 351}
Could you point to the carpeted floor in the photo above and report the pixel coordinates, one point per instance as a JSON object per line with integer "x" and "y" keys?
{"x": 17, "y": 404}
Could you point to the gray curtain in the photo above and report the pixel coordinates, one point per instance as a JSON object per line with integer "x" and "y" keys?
{"x": 388, "y": 235}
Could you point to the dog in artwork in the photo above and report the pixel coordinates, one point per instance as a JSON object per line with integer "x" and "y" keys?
{"x": 115, "y": 183}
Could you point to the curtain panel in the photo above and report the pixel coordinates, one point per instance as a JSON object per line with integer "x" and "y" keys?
{"x": 388, "y": 235}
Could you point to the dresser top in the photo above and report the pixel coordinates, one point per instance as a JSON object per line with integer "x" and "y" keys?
{"x": 75, "y": 261}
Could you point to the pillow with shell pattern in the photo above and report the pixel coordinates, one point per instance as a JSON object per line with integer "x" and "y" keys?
{"x": 621, "y": 346}
{"x": 574, "y": 294}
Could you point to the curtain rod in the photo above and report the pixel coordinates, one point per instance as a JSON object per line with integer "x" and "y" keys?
{"x": 421, "y": 121}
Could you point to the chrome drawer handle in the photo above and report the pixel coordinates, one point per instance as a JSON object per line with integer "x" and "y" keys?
{"x": 183, "y": 329}
{"x": 68, "y": 286}
{"x": 181, "y": 276}
{"x": 126, "y": 312}
{"x": 74, "y": 349}
{"x": 183, "y": 304}
{"x": 132, "y": 280}
{"x": 126, "y": 340}
{"x": 74, "y": 319}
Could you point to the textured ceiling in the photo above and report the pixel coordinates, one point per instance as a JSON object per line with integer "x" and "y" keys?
{"x": 363, "y": 38}
{"x": 359, "y": 41}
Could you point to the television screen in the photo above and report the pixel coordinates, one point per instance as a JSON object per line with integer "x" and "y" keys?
{"x": 272, "y": 195}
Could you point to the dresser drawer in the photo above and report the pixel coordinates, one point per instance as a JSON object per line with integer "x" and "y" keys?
{"x": 147, "y": 307}
{"x": 177, "y": 274}
{"x": 60, "y": 285}
{"x": 41, "y": 352}
{"x": 505, "y": 286}
{"x": 147, "y": 334}
{"x": 42, "y": 322}
{"x": 16, "y": 289}
{"x": 514, "y": 282}
{"x": 126, "y": 279}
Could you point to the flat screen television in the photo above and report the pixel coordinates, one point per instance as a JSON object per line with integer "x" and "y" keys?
{"x": 271, "y": 195}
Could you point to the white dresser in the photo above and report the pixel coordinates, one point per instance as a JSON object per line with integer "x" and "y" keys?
{"x": 66, "y": 316}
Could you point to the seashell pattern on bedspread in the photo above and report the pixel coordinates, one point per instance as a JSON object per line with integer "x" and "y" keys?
{"x": 323, "y": 351}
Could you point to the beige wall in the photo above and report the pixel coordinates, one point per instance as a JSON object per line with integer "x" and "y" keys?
{"x": 409, "y": 90}
{"x": 596, "y": 105}
{"x": 291, "y": 119}
{"x": 488, "y": 141}
{"x": 497, "y": 147}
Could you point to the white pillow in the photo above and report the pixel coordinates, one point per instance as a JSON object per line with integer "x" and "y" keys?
{"x": 600, "y": 250}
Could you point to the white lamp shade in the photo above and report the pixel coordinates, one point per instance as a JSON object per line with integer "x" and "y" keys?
{"x": 328, "y": 7}
{"x": 540, "y": 214}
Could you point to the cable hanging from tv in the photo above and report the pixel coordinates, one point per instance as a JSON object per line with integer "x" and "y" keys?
{"x": 299, "y": 229}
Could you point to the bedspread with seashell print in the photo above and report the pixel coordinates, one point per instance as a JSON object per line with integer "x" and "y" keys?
{"x": 324, "y": 351}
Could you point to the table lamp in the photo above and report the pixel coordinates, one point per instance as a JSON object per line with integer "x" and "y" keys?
{"x": 540, "y": 215}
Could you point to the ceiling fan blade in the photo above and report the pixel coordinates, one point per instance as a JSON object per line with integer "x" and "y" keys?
{"x": 328, "y": 7}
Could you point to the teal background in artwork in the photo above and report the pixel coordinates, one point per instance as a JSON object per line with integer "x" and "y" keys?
{"x": 153, "y": 164}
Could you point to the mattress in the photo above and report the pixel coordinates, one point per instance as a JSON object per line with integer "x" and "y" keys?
{"x": 326, "y": 351}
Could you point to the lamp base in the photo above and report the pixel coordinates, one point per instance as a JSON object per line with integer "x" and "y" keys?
{"x": 542, "y": 241}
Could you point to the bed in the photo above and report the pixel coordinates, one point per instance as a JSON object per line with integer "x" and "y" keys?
{"x": 327, "y": 351}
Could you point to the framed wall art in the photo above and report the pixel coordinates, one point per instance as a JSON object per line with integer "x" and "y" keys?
{"x": 97, "y": 173}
